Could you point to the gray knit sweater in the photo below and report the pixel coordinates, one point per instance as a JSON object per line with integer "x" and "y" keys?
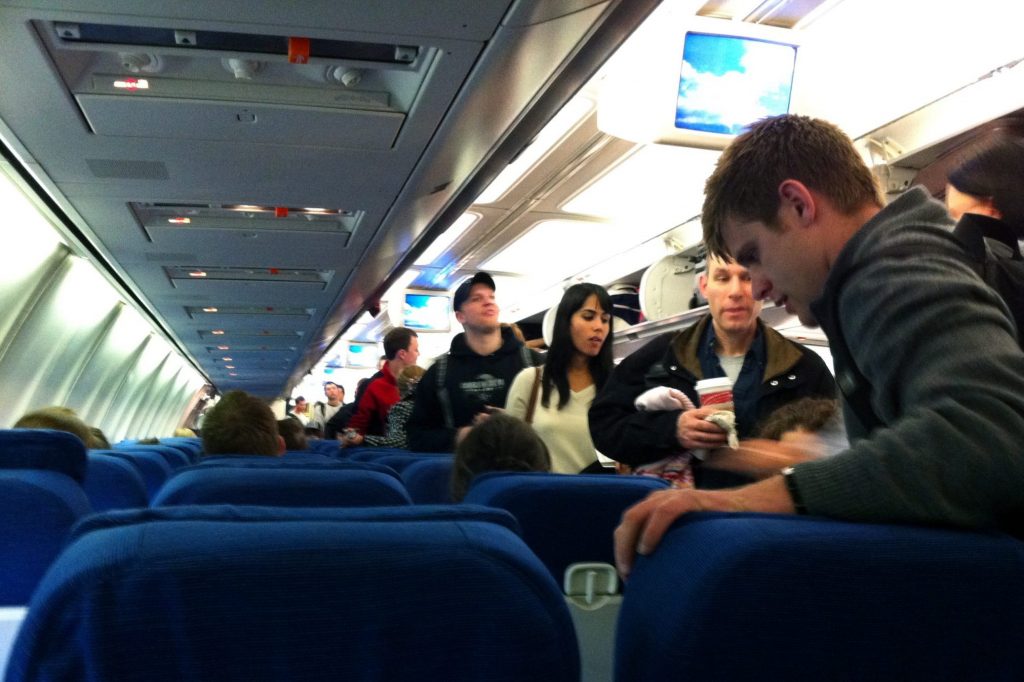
{"x": 946, "y": 375}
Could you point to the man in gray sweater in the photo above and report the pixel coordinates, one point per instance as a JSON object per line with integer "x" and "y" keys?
{"x": 933, "y": 366}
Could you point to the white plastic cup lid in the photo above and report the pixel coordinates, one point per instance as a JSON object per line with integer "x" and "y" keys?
{"x": 715, "y": 385}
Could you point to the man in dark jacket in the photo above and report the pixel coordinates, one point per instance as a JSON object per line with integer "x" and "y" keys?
{"x": 766, "y": 369}
{"x": 464, "y": 385}
{"x": 928, "y": 345}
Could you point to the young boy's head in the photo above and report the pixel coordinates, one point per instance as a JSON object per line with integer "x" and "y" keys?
{"x": 501, "y": 443}
{"x": 806, "y": 415}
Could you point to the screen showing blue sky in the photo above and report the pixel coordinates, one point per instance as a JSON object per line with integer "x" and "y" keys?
{"x": 425, "y": 312}
{"x": 362, "y": 355}
{"x": 728, "y": 82}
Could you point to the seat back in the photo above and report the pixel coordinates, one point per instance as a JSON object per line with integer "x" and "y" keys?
{"x": 43, "y": 449}
{"x": 37, "y": 509}
{"x": 193, "y": 446}
{"x": 255, "y": 594}
{"x": 429, "y": 480}
{"x": 282, "y": 487}
{"x": 113, "y": 483}
{"x": 566, "y": 518}
{"x": 324, "y": 446}
{"x": 152, "y": 466}
{"x": 758, "y": 596}
{"x": 257, "y": 462}
{"x": 399, "y": 462}
{"x": 176, "y": 458}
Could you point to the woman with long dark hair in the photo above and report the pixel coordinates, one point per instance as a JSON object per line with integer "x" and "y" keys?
{"x": 990, "y": 182}
{"x": 555, "y": 398}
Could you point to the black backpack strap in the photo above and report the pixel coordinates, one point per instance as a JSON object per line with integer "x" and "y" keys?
{"x": 526, "y": 356}
{"x": 1002, "y": 272}
{"x": 443, "y": 396}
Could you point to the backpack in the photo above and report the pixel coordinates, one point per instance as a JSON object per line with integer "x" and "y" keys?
{"x": 999, "y": 262}
{"x": 1000, "y": 265}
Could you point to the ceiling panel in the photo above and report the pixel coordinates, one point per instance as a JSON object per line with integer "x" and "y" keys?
{"x": 130, "y": 112}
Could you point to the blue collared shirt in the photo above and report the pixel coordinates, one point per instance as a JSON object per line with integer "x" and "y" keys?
{"x": 746, "y": 392}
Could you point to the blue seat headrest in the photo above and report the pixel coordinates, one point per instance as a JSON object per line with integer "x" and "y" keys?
{"x": 46, "y": 449}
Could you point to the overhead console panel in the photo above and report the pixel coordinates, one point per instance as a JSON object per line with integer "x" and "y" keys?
{"x": 217, "y": 85}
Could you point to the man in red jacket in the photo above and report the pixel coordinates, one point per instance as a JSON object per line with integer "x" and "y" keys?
{"x": 401, "y": 348}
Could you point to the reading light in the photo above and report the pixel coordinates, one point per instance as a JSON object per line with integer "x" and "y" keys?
{"x": 243, "y": 69}
{"x": 226, "y": 359}
{"x": 223, "y": 347}
{"x": 229, "y": 366}
{"x": 209, "y": 310}
{"x": 217, "y": 332}
{"x": 179, "y": 221}
{"x": 197, "y": 273}
{"x": 232, "y": 374}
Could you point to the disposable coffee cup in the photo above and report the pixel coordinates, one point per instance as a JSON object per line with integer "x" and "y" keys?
{"x": 716, "y": 393}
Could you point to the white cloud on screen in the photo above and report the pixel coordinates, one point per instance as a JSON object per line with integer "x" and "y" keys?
{"x": 740, "y": 96}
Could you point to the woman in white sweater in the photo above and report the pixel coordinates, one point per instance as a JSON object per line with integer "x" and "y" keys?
{"x": 555, "y": 398}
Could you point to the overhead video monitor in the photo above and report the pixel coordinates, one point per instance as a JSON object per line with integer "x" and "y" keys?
{"x": 427, "y": 311}
{"x": 361, "y": 355}
{"x": 727, "y": 82}
{"x": 698, "y": 82}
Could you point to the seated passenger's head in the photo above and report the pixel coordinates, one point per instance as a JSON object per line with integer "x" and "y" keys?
{"x": 293, "y": 433}
{"x": 98, "y": 439}
{"x": 727, "y": 287}
{"x": 241, "y": 425}
{"x": 60, "y": 419}
{"x": 806, "y": 415}
{"x": 988, "y": 182}
{"x": 408, "y": 378}
{"x": 501, "y": 443}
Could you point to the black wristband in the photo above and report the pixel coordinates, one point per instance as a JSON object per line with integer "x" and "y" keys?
{"x": 793, "y": 490}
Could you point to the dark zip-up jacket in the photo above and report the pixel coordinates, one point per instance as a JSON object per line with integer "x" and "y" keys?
{"x": 945, "y": 377}
{"x": 622, "y": 432}
{"x": 472, "y": 382}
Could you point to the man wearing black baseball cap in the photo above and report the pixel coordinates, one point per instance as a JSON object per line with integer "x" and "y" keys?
{"x": 464, "y": 385}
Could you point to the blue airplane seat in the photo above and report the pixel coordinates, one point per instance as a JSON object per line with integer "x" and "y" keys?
{"x": 370, "y": 454}
{"x": 257, "y": 461}
{"x": 324, "y": 446}
{"x": 37, "y": 510}
{"x": 251, "y": 594}
{"x": 429, "y": 480}
{"x": 282, "y": 487}
{"x": 43, "y": 449}
{"x": 566, "y": 518}
{"x": 307, "y": 456}
{"x": 41, "y": 497}
{"x": 151, "y": 465}
{"x": 175, "y": 457}
{"x": 400, "y": 462}
{"x": 761, "y": 596}
{"x": 113, "y": 483}
{"x": 193, "y": 446}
